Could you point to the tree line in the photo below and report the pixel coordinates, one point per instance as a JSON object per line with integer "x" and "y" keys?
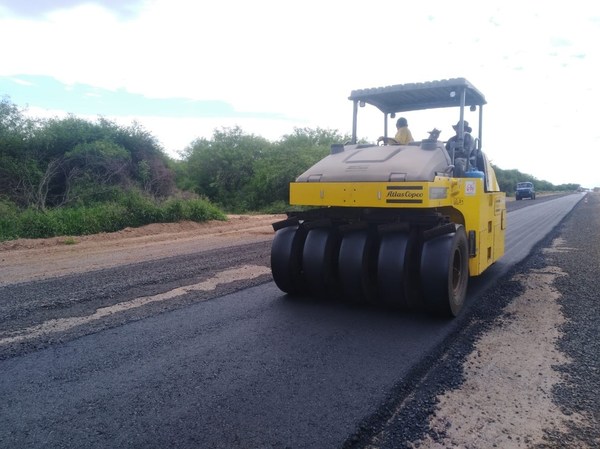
{"x": 508, "y": 179}
{"x": 71, "y": 163}
{"x": 48, "y": 163}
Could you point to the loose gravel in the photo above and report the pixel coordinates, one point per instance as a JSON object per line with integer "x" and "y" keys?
{"x": 524, "y": 372}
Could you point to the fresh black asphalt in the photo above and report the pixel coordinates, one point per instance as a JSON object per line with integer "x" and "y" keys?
{"x": 250, "y": 368}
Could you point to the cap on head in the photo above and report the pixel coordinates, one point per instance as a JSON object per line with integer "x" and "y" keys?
{"x": 401, "y": 122}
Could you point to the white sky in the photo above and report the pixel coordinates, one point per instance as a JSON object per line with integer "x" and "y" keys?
{"x": 536, "y": 62}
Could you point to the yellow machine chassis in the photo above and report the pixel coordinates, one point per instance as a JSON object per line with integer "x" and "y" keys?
{"x": 464, "y": 200}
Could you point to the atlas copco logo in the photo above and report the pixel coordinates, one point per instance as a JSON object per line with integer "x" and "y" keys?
{"x": 405, "y": 195}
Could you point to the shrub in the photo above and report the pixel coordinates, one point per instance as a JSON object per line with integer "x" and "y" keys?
{"x": 33, "y": 223}
{"x": 131, "y": 209}
{"x": 8, "y": 220}
{"x": 202, "y": 210}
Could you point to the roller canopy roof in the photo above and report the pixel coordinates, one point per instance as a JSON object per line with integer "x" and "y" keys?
{"x": 417, "y": 96}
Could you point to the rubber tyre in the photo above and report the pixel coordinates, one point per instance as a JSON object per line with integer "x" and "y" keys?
{"x": 286, "y": 259}
{"x": 393, "y": 269}
{"x": 357, "y": 266}
{"x": 320, "y": 261}
{"x": 445, "y": 272}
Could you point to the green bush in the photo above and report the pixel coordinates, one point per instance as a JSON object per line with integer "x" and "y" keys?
{"x": 131, "y": 209}
{"x": 107, "y": 217}
{"x": 173, "y": 210}
{"x": 33, "y": 223}
{"x": 141, "y": 210}
{"x": 202, "y": 210}
{"x": 8, "y": 220}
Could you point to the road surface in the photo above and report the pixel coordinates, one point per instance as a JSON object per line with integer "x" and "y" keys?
{"x": 202, "y": 350}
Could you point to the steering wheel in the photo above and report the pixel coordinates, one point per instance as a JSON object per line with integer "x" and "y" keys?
{"x": 387, "y": 141}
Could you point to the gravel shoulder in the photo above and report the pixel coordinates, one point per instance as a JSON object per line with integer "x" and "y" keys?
{"x": 524, "y": 372}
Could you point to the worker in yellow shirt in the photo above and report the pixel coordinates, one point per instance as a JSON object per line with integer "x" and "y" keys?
{"x": 403, "y": 135}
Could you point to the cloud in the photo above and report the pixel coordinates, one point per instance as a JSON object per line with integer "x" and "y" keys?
{"x": 269, "y": 66}
{"x": 46, "y": 92}
{"x": 40, "y": 8}
{"x": 21, "y": 82}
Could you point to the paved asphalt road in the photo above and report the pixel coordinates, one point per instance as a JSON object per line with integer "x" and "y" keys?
{"x": 241, "y": 366}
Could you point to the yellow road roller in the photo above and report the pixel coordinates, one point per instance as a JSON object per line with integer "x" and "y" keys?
{"x": 397, "y": 224}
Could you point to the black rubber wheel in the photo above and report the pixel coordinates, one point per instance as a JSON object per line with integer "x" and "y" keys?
{"x": 320, "y": 261}
{"x": 286, "y": 259}
{"x": 393, "y": 269}
{"x": 445, "y": 272}
{"x": 357, "y": 263}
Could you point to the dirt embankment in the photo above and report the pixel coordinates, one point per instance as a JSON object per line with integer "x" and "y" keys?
{"x": 30, "y": 259}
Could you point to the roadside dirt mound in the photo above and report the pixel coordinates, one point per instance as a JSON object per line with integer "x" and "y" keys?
{"x": 24, "y": 260}
{"x": 160, "y": 231}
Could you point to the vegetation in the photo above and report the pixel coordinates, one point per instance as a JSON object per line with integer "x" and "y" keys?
{"x": 69, "y": 176}
{"x": 131, "y": 210}
{"x": 508, "y": 179}
{"x": 244, "y": 173}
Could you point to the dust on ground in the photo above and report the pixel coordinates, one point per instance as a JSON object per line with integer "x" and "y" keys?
{"x": 25, "y": 260}
{"x": 506, "y": 399}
